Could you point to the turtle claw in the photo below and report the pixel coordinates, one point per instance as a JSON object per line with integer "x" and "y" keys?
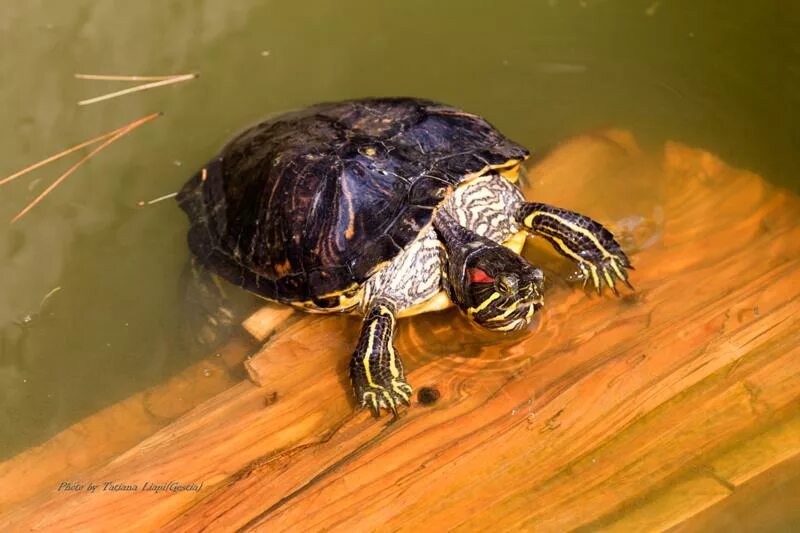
{"x": 606, "y": 272}
{"x": 628, "y": 283}
{"x": 614, "y": 289}
{"x": 370, "y": 399}
{"x": 377, "y": 397}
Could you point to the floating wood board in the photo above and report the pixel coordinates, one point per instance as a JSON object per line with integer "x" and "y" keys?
{"x": 624, "y": 413}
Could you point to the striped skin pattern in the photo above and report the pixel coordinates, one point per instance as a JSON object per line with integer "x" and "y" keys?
{"x": 580, "y": 239}
{"x": 412, "y": 277}
{"x": 376, "y": 371}
{"x": 479, "y": 215}
{"x": 469, "y": 226}
{"x": 497, "y": 288}
{"x": 486, "y": 206}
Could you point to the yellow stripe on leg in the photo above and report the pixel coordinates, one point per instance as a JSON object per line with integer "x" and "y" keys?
{"x": 583, "y": 263}
{"x": 572, "y": 226}
{"x": 393, "y": 368}
{"x": 365, "y": 361}
{"x": 399, "y": 390}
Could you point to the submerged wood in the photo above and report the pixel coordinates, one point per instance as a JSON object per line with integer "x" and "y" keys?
{"x": 630, "y": 413}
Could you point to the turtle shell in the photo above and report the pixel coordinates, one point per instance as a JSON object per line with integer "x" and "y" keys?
{"x": 306, "y": 206}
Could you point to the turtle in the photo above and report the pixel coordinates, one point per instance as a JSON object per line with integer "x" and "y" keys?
{"x": 385, "y": 207}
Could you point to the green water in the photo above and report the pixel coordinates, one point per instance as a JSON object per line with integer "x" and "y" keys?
{"x": 720, "y": 75}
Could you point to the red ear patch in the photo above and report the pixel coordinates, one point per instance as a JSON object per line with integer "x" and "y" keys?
{"x": 476, "y": 275}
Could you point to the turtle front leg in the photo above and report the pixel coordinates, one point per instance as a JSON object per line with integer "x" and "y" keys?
{"x": 581, "y": 239}
{"x": 376, "y": 371}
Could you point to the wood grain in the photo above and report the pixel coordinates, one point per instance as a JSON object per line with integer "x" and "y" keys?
{"x": 631, "y": 413}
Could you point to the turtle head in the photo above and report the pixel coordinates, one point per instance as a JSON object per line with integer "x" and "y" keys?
{"x": 501, "y": 290}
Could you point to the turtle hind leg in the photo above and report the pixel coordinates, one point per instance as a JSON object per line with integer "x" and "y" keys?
{"x": 209, "y": 315}
{"x": 579, "y": 238}
{"x": 376, "y": 371}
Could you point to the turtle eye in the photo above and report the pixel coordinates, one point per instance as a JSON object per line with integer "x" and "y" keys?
{"x": 507, "y": 283}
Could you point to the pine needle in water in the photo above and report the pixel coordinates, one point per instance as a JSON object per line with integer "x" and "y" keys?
{"x": 115, "y": 77}
{"x": 109, "y": 138}
{"x": 161, "y": 82}
{"x": 143, "y": 203}
{"x": 60, "y": 155}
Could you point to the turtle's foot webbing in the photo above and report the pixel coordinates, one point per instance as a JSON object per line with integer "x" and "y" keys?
{"x": 376, "y": 371}
{"x": 582, "y": 240}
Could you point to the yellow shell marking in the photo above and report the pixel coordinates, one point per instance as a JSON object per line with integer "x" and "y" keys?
{"x": 510, "y": 173}
{"x": 509, "y": 170}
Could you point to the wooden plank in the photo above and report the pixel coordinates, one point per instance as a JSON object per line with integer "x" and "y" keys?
{"x": 755, "y": 456}
{"x": 267, "y": 320}
{"x": 98, "y": 438}
{"x": 768, "y": 502}
{"x": 714, "y": 481}
{"x": 603, "y": 415}
{"x": 677, "y": 503}
{"x": 103, "y": 435}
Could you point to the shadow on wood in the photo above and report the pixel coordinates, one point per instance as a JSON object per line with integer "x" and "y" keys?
{"x": 632, "y": 412}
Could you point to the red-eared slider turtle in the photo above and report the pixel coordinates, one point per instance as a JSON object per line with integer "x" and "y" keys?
{"x": 388, "y": 207}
